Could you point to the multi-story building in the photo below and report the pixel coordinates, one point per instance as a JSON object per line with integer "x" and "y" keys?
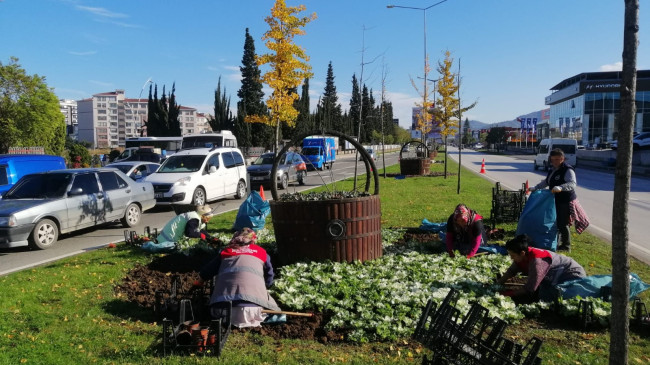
{"x": 587, "y": 106}
{"x": 69, "y": 110}
{"x": 107, "y": 119}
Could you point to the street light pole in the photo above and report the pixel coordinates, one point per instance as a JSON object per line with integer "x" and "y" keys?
{"x": 424, "y": 81}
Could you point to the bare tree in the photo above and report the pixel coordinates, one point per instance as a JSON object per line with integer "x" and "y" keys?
{"x": 619, "y": 332}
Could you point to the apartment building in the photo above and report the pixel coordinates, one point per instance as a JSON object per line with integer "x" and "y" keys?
{"x": 69, "y": 110}
{"x": 107, "y": 119}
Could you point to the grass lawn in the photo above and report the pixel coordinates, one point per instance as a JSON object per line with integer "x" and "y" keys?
{"x": 68, "y": 313}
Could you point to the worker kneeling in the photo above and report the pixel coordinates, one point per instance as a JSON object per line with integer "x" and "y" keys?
{"x": 244, "y": 272}
{"x": 545, "y": 270}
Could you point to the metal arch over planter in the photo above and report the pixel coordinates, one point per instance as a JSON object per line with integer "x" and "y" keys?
{"x": 368, "y": 161}
{"x": 415, "y": 166}
{"x": 341, "y": 230}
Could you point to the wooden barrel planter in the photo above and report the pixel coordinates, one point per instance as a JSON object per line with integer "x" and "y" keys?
{"x": 420, "y": 165}
{"x": 341, "y": 230}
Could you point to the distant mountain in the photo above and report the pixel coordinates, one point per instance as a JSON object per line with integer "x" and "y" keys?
{"x": 475, "y": 124}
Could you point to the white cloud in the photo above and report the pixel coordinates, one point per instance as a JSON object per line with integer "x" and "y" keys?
{"x": 101, "y": 83}
{"x": 616, "y": 66}
{"x": 212, "y": 68}
{"x": 103, "y": 12}
{"x": 231, "y": 68}
{"x": 85, "y": 53}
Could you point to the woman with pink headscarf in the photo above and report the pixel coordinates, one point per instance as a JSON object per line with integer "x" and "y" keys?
{"x": 243, "y": 274}
{"x": 465, "y": 232}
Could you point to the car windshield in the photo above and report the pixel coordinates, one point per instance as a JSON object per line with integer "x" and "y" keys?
{"x": 40, "y": 186}
{"x": 310, "y": 151}
{"x": 186, "y": 163}
{"x": 264, "y": 160}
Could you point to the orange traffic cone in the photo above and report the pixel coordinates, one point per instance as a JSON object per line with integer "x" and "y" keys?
{"x": 482, "y": 167}
{"x": 527, "y": 192}
{"x": 262, "y": 192}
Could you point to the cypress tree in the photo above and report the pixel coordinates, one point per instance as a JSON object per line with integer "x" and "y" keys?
{"x": 305, "y": 121}
{"x": 355, "y": 106}
{"x": 251, "y": 95}
{"x": 173, "y": 118}
{"x": 330, "y": 107}
{"x": 222, "y": 119}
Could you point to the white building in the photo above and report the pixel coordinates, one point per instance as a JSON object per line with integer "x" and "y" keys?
{"x": 69, "y": 110}
{"x": 107, "y": 119}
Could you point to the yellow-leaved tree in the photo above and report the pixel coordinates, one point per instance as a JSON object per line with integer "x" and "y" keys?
{"x": 425, "y": 118}
{"x": 448, "y": 109}
{"x": 288, "y": 63}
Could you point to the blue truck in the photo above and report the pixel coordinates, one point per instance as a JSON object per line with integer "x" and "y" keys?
{"x": 319, "y": 152}
{"x": 13, "y": 167}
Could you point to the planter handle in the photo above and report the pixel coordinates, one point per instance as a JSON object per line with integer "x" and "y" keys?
{"x": 415, "y": 141}
{"x": 370, "y": 164}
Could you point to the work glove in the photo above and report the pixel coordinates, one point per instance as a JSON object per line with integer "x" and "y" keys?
{"x": 556, "y": 190}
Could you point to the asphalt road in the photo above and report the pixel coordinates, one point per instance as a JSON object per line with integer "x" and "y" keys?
{"x": 595, "y": 192}
{"x": 16, "y": 259}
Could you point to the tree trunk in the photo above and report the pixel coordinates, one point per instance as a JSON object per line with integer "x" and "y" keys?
{"x": 619, "y": 331}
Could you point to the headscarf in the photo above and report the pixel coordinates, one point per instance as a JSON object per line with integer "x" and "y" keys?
{"x": 462, "y": 213}
{"x": 244, "y": 237}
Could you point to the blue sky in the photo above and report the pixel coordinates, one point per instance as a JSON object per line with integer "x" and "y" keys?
{"x": 511, "y": 51}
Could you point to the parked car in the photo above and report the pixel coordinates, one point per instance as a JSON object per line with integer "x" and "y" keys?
{"x": 478, "y": 146}
{"x": 640, "y": 141}
{"x": 371, "y": 152}
{"x": 42, "y": 206}
{"x": 291, "y": 168}
{"x": 199, "y": 175}
{"x": 136, "y": 170}
{"x": 13, "y": 167}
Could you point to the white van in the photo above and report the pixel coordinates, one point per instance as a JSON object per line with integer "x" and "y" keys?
{"x": 568, "y": 145}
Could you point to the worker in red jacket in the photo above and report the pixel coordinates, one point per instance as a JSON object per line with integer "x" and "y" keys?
{"x": 465, "y": 232}
{"x": 243, "y": 273}
{"x": 545, "y": 269}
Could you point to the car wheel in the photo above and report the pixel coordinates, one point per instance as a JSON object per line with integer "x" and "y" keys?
{"x": 301, "y": 177}
{"x": 284, "y": 182}
{"x": 241, "y": 189}
{"x": 198, "y": 198}
{"x": 44, "y": 235}
{"x": 132, "y": 216}
{"x": 535, "y": 167}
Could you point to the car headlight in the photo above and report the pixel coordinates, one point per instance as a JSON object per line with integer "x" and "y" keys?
{"x": 8, "y": 221}
{"x": 183, "y": 181}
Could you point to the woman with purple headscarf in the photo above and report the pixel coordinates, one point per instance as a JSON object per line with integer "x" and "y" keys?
{"x": 465, "y": 232}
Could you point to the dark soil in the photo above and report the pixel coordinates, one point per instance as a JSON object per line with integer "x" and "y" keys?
{"x": 140, "y": 285}
{"x": 142, "y": 282}
{"x": 430, "y": 174}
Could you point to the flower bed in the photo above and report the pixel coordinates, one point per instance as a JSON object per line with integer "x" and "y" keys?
{"x": 382, "y": 299}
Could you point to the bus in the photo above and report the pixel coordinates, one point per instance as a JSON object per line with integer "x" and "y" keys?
{"x": 166, "y": 145}
{"x": 223, "y": 138}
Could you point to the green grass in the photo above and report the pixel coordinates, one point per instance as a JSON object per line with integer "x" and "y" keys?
{"x": 68, "y": 313}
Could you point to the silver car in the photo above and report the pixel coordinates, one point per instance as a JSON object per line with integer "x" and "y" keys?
{"x": 290, "y": 168}
{"x": 136, "y": 170}
{"x": 41, "y": 206}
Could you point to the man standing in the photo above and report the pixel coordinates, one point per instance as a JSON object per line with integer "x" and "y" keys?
{"x": 561, "y": 180}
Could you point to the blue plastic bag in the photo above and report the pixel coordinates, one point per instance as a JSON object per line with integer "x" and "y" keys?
{"x": 590, "y": 286}
{"x": 154, "y": 247}
{"x": 433, "y": 227}
{"x": 538, "y": 218}
{"x": 252, "y": 212}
